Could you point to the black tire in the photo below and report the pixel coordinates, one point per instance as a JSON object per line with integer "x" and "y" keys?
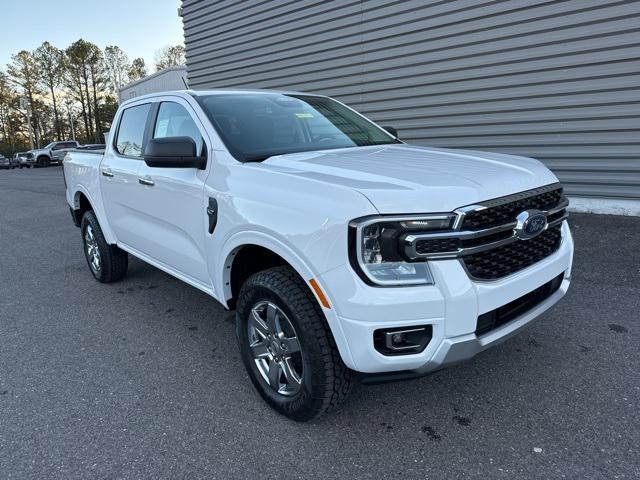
{"x": 113, "y": 262}
{"x": 326, "y": 381}
{"x": 43, "y": 161}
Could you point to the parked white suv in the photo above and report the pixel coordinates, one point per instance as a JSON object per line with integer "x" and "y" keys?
{"x": 345, "y": 252}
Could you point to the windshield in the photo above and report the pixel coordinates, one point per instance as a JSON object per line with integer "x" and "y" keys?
{"x": 257, "y": 126}
{"x": 50, "y": 146}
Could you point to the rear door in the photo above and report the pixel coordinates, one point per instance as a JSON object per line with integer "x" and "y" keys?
{"x": 119, "y": 174}
{"x": 174, "y": 220}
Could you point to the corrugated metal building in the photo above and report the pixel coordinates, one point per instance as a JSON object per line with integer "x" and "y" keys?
{"x": 172, "y": 78}
{"x": 556, "y": 80}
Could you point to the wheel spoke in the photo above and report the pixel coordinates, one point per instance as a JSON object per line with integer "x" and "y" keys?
{"x": 272, "y": 313}
{"x": 275, "y": 371}
{"x": 290, "y": 374}
{"x": 258, "y": 324}
{"x": 259, "y": 350}
{"x": 291, "y": 345}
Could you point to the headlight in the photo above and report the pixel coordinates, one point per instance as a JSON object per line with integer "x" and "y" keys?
{"x": 376, "y": 253}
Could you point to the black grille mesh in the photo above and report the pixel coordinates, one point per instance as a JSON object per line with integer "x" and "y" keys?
{"x": 502, "y": 213}
{"x": 502, "y": 261}
{"x": 435, "y": 245}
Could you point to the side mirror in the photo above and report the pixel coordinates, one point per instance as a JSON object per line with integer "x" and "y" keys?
{"x": 173, "y": 152}
{"x": 392, "y": 131}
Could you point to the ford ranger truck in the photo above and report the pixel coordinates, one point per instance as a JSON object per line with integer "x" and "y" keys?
{"x": 345, "y": 253}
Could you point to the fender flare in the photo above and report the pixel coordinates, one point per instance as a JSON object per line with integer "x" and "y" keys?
{"x": 104, "y": 225}
{"x": 234, "y": 243}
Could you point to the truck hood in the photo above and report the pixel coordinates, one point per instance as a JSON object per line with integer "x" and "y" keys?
{"x": 408, "y": 179}
{"x": 38, "y": 151}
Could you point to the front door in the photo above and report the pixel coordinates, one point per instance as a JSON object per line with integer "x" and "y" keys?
{"x": 174, "y": 223}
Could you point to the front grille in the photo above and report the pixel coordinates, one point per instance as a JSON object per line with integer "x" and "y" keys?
{"x": 502, "y": 261}
{"x": 437, "y": 245}
{"x": 488, "y": 239}
{"x": 505, "y": 209}
{"x": 502, "y": 315}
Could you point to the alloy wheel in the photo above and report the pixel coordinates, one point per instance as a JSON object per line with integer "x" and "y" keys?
{"x": 92, "y": 250}
{"x": 275, "y": 348}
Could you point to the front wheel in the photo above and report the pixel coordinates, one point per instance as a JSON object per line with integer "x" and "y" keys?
{"x": 287, "y": 347}
{"x": 107, "y": 262}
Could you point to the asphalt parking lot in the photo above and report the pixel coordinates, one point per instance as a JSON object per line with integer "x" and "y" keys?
{"x": 141, "y": 379}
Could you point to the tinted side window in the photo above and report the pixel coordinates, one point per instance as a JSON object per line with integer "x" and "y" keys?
{"x": 131, "y": 130}
{"x": 174, "y": 121}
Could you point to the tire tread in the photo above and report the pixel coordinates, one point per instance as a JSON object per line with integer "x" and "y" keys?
{"x": 336, "y": 375}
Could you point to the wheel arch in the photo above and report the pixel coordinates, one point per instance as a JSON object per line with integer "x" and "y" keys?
{"x": 83, "y": 201}
{"x": 81, "y": 205}
{"x": 261, "y": 248}
{"x": 246, "y": 246}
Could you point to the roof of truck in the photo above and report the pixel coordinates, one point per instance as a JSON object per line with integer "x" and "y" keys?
{"x": 197, "y": 93}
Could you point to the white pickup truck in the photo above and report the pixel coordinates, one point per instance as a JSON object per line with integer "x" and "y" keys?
{"x": 53, "y": 153}
{"x": 346, "y": 253}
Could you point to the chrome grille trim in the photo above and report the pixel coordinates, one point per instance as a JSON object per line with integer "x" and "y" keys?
{"x": 410, "y": 241}
{"x": 410, "y": 246}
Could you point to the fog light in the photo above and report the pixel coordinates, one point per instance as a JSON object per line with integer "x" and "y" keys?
{"x": 402, "y": 341}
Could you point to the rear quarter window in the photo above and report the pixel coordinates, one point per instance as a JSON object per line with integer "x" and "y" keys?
{"x": 131, "y": 130}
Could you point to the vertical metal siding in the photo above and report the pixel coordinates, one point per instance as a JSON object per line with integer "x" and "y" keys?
{"x": 172, "y": 78}
{"x": 556, "y": 80}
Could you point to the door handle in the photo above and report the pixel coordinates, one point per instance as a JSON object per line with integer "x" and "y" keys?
{"x": 146, "y": 181}
{"x": 107, "y": 172}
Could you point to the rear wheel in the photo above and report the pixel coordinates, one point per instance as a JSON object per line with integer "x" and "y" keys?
{"x": 287, "y": 346}
{"x": 107, "y": 262}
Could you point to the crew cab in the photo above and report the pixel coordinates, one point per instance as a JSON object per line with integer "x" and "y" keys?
{"x": 346, "y": 253}
{"x": 53, "y": 153}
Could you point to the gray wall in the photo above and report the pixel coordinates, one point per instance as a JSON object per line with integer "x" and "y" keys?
{"x": 172, "y": 78}
{"x": 555, "y": 80}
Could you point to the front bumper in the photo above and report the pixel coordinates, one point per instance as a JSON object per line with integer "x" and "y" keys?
{"x": 451, "y": 306}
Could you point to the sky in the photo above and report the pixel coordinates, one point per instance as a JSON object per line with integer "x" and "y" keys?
{"x": 139, "y": 27}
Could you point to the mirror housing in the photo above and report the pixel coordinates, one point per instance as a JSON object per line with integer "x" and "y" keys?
{"x": 173, "y": 152}
{"x": 392, "y": 131}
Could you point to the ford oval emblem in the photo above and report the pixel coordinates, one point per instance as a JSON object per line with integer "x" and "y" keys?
{"x": 530, "y": 223}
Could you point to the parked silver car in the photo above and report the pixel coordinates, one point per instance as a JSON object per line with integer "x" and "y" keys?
{"x": 5, "y": 163}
